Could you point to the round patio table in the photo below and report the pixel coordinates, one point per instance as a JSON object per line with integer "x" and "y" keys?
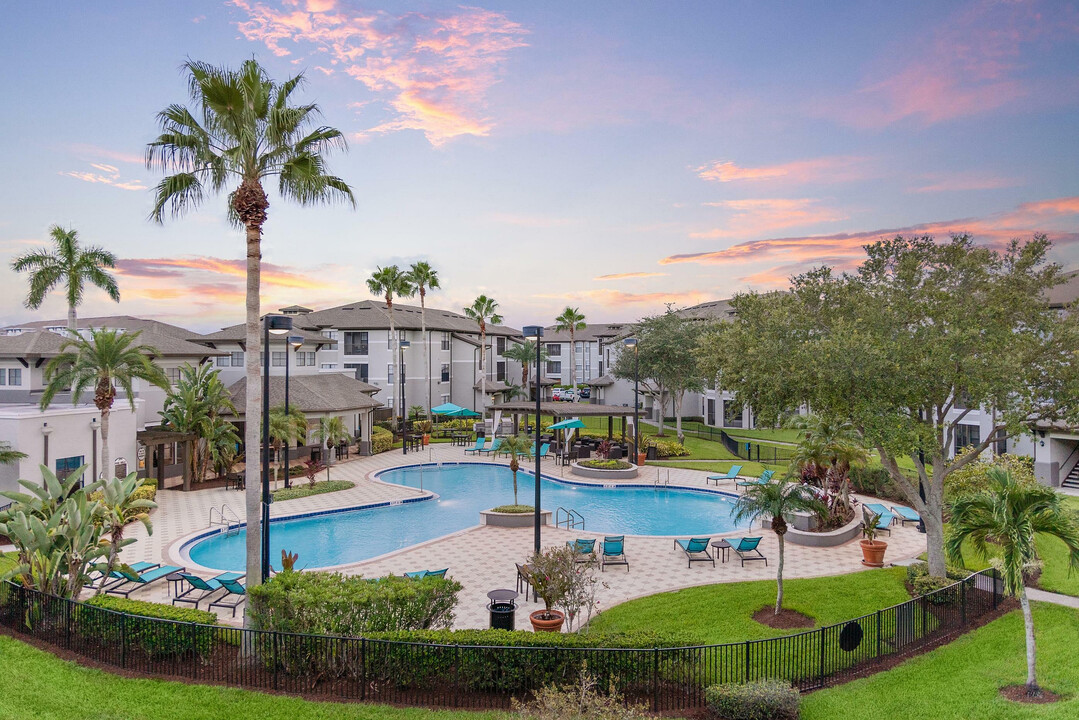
{"x": 724, "y": 547}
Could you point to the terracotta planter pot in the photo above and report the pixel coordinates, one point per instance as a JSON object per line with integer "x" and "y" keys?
{"x": 873, "y": 552}
{"x": 641, "y": 457}
{"x": 552, "y": 625}
{"x": 426, "y": 439}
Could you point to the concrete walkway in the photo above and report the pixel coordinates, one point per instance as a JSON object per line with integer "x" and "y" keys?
{"x": 1052, "y": 597}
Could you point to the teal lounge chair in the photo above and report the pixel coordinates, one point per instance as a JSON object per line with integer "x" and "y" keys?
{"x": 233, "y": 589}
{"x": 765, "y": 477}
{"x": 115, "y": 578}
{"x": 732, "y": 474}
{"x": 199, "y": 589}
{"x": 747, "y": 549}
{"x": 585, "y": 549}
{"x": 133, "y": 581}
{"x": 878, "y": 509}
{"x": 906, "y": 515}
{"x": 884, "y": 521}
{"x": 421, "y": 574}
{"x": 614, "y": 552}
{"x": 543, "y": 450}
{"x": 477, "y": 447}
{"x": 495, "y": 444}
{"x": 696, "y": 550}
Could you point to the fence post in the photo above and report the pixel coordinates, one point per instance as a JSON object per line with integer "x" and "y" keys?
{"x": 878, "y": 634}
{"x": 925, "y": 612}
{"x": 363, "y": 668}
{"x": 963, "y": 600}
{"x": 123, "y": 640}
{"x": 747, "y": 661}
{"x": 655, "y": 679}
{"x": 67, "y": 624}
{"x": 457, "y": 671}
{"x": 194, "y": 652}
{"x": 822, "y": 657}
{"x": 275, "y": 660}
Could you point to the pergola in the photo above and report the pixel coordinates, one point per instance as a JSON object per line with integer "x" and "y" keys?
{"x": 157, "y": 439}
{"x": 564, "y": 410}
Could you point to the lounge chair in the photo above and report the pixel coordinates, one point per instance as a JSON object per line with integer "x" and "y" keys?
{"x": 543, "y": 450}
{"x": 585, "y": 549}
{"x": 764, "y": 478}
{"x": 421, "y": 574}
{"x": 477, "y": 447}
{"x": 884, "y": 520}
{"x": 493, "y": 449}
{"x": 233, "y": 588}
{"x": 746, "y": 549}
{"x": 877, "y": 509}
{"x": 906, "y": 515}
{"x": 732, "y": 474}
{"x": 133, "y": 581}
{"x": 614, "y": 552}
{"x": 696, "y": 550}
{"x": 115, "y": 578}
{"x": 200, "y": 589}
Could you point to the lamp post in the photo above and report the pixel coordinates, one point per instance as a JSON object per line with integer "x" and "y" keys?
{"x": 536, "y": 331}
{"x": 401, "y": 345}
{"x": 632, "y": 342}
{"x": 275, "y": 325}
{"x": 293, "y": 342}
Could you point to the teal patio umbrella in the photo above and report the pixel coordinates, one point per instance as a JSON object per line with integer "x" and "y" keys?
{"x": 571, "y": 424}
{"x": 461, "y": 413}
{"x": 446, "y": 409}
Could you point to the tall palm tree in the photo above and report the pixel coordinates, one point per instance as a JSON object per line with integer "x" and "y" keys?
{"x": 390, "y": 282}
{"x": 69, "y": 264}
{"x": 525, "y": 353}
{"x": 1010, "y": 515}
{"x": 106, "y": 360}
{"x": 330, "y": 433}
{"x": 244, "y": 128}
{"x": 518, "y": 447}
{"x": 483, "y": 310}
{"x": 424, "y": 277}
{"x": 9, "y": 456}
{"x": 778, "y": 501}
{"x": 571, "y": 320}
{"x": 286, "y": 428}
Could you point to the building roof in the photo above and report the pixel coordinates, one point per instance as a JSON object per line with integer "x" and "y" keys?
{"x": 372, "y": 314}
{"x": 1066, "y": 293}
{"x": 294, "y": 310}
{"x": 238, "y": 334}
{"x": 711, "y": 310}
{"x": 325, "y": 393}
{"x": 115, "y": 322}
{"x": 493, "y": 386}
{"x": 592, "y": 331}
{"x": 44, "y": 344}
{"x": 601, "y": 381}
{"x": 564, "y": 409}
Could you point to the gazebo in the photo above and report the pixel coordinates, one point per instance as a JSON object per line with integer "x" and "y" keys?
{"x": 563, "y": 411}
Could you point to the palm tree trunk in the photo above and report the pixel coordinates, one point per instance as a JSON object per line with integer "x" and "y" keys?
{"x": 72, "y": 320}
{"x": 483, "y": 376}
{"x": 426, "y": 351}
{"x": 1028, "y": 623}
{"x": 105, "y": 412}
{"x": 394, "y": 349}
{"x": 252, "y": 409}
{"x": 573, "y": 362}
{"x": 779, "y": 578}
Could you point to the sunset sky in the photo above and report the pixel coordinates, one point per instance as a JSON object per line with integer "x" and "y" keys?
{"x": 610, "y": 155}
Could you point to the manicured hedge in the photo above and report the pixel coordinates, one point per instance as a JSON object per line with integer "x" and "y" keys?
{"x": 299, "y": 491}
{"x": 759, "y": 700}
{"x": 668, "y": 448}
{"x": 141, "y": 626}
{"x": 381, "y": 440}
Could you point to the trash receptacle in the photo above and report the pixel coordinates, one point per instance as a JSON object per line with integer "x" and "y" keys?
{"x": 651, "y": 455}
{"x": 503, "y": 614}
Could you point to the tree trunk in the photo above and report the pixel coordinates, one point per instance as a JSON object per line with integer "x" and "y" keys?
{"x": 678, "y": 397}
{"x": 72, "y": 320}
{"x": 779, "y": 577}
{"x": 105, "y": 412}
{"x": 252, "y": 410}
{"x": 395, "y": 348}
{"x": 934, "y": 539}
{"x": 483, "y": 376}
{"x": 426, "y": 350}
{"x": 573, "y": 362}
{"x": 1028, "y": 623}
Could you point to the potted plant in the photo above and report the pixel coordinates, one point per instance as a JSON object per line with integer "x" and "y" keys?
{"x": 425, "y": 428}
{"x": 872, "y": 549}
{"x": 552, "y": 574}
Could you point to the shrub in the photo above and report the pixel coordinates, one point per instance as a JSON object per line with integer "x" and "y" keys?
{"x": 580, "y": 700}
{"x": 974, "y": 477}
{"x": 521, "y": 509}
{"x": 323, "y": 487}
{"x": 876, "y": 482}
{"x": 381, "y": 439}
{"x": 668, "y": 448}
{"x": 606, "y": 464}
{"x": 685, "y": 419}
{"x": 922, "y": 583}
{"x": 758, "y": 700}
{"x": 143, "y": 628}
{"x": 146, "y": 491}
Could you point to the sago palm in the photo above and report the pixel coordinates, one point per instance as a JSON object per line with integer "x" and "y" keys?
{"x": 571, "y": 320}
{"x": 525, "y": 353}
{"x": 105, "y": 361}
{"x": 778, "y": 501}
{"x": 330, "y": 433}
{"x": 68, "y": 264}
{"x": 242, "y": 129}
{"x": 390, "y": 282}
{"x": 1009, "y": 516}
{"x": 424, "y": 277}
{"x": 517, "y": 447}
{"x": 483, "y": 310}
{"x": 286, "y": 428}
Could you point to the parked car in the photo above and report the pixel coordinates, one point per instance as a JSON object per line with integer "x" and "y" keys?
{"x": 585, "y": 392}
{"x": 567, "y": 395}
{"x": 556, "y": 393}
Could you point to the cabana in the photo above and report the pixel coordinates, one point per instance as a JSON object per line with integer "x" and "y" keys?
{"x": 566, "y": 411}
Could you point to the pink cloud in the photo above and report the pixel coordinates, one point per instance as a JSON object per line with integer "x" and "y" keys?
{"x": 824, "y": 169}
{"x": 760, "y": 215}
{"x": 181, "y": 267}
{"x": 87, "y": 151}
{"x": 106, "y": 175}
{"x": 629, "y": 276}
{"x": 431, "y": 70}
{"x": 964, "y": 181}
{"x": 618, "y": 298}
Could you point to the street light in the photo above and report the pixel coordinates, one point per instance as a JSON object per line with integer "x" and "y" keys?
{"x": 632, "y": 342}
{"x": 271, "y": 325}
{"x": 293, "y": 342}
{"x": 401, "y": 345}
{"x": 536, "y": 331}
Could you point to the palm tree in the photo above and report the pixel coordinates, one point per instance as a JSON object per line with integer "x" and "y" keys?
{"x": 778, "y": 501}
{"x": 424, "y": 277}
{"x": 571, "y": 320}
{"x": 1010, "y": 515}
{"x": 825, "y": 455}
{"x": 330, "y": 433}
{"x": 483, "y": 310}
{"x": 9, "y": 456}
{"x": 194, "y": 406}
{"x": 525, "y": 353}
{"x": 119, "y": 506}
{"x": 517, "y": 447}
{"x": 106, "y": 360}
{"x": 286, "y": 428}
{"x": 69, "y": 264}
{"x": 244, "y": 129}
{"x": 388, "y": 282}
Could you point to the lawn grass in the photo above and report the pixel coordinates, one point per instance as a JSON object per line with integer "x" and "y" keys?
{"x": 764, "y": 435}
{"x": 723, "y": 613}
{"x": 960, "y": 680}
{"x": 38, "y": 686}
{"x": 299, "y": 491}
{"x": 1056, "y": 573}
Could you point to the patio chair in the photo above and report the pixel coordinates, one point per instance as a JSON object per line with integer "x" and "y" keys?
{"x": 746, "y": 549}
{"x": 493, "y": 449}
{"x": 115, "y": 578}
{"x": 200, "y": 589}
{"x": 614, "y": 552}
{"x": 696, "y": 550}
{"x": 584, "y": 550}
{"x": 906, "y": 515}
{"x": 524, "y": 581}
{"x": 732, "y": 474}
{"x": 764, "y": 478}
{"x": 233, "y": 589}
{"x": 543, "y": 450}
{"x": 477, "y": 447}
{"x": 884, "y": 520}
{"x": 133, "y": 581}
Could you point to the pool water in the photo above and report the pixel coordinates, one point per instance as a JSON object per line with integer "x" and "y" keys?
{"x": 463, "y": 490}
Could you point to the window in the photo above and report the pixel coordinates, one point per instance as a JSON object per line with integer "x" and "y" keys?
{"x": 445, "y": 372}
{"x": 554, "y": 349}
{"x": 328, "y": 366}
{"x": 1002, "y": 444}
{"x": 173, "y": 375}
{"x": 68, "y": 465}
{"x": 578, "y": 346}
{"x": 500, "y": 345}
{"x": 305, "y": 359}
{"x": 277, "y": 358}
{"x": 389, "y": 374}
{"x": 3, "y": 376}
{"x": 966, "y": 435}
{"x": 356, "y": 343}
{"x": 222, "y": 361}
{"x": 445, "y": 398}
{"x": 500, "y": 370}
{"x": 169, "y": 456}
{"x": 331, "y": 334}
{"x": 360, "y": 368}
{"x": 401, "y": 335}
{"x": 732, "y": 414}
{"x": 311, "y": 359}
{"x": 237, "y": 358}
{"x": 711, "y": 416}
{"x": 14, "y": 376}
{"x": 962, "y": 400}
{"x": 446, "y": 337}
{"x": 554, "y": 367}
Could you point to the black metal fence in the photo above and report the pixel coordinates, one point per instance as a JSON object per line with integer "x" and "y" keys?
{"x": 755, "y": 451}
{"x": 469, "y": 676}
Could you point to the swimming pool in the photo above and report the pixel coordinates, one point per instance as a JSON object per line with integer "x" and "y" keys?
{"x": 463, "y": 490}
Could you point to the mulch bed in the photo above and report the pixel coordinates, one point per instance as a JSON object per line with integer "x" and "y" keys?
{"x": 1018, "y": 693}
{"x": 785, "y": 620}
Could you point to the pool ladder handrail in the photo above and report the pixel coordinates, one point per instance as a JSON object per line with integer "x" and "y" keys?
{"x": 231, "y": 524}
{"x": 665, "y": 481}
{"x": 572, "y": 518}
